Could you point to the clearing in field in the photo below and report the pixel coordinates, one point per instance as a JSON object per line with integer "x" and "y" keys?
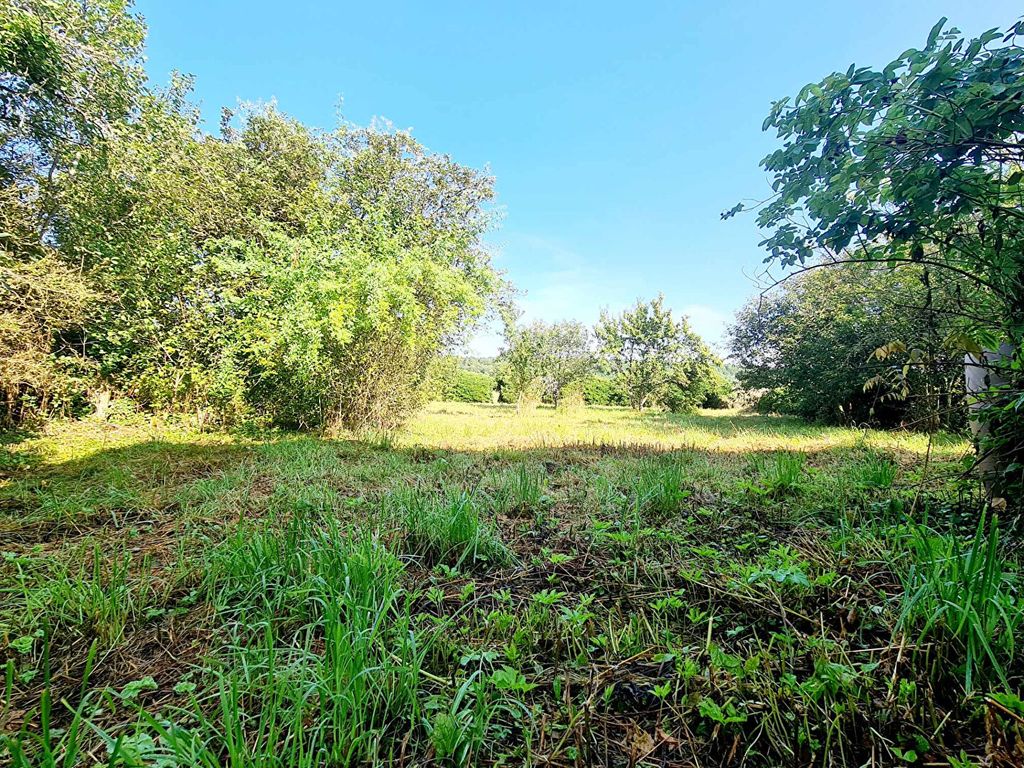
{"x": 598, "y": 588}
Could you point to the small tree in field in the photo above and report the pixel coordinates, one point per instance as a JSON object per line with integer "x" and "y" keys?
{"x": 545, "y": 358}
{"x": 566, "y": 358}
{"x": 643, "y": 347}
{"x": 520, "y": 361}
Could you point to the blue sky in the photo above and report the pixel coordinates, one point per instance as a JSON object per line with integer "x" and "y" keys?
{"x": 618, "y": 132}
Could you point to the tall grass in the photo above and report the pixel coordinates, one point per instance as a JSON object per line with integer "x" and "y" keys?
{"x": 446, "y": 528}
{"x": 726, "y": 620}
{"x": 660, "y": 487}
{"x": 98, "y": 599}
{"x": 782, "y": 475}
{"x": 323, "y": 666}
{"x": 876, "y": 471}
{"x": 518, "y": 490}
{"x": 965, "y": 600}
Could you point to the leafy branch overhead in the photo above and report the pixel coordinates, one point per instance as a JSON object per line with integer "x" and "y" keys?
{"x": 920, "y": 163}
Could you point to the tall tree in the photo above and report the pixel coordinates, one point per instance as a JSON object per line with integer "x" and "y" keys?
{"x": 302, "y": 277}
{"x": 521, "y": 360}
{"x": 549, "y": 357}
{"x": 70, "y": 74}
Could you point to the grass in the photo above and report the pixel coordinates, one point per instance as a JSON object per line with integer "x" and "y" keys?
{"x": 485, "y": 588}
{"x": 965, "y": 595}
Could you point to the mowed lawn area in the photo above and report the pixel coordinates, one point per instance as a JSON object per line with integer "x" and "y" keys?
{"x": 596, "y": 587}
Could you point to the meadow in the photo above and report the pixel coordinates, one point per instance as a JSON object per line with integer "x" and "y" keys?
{"x": 592, "y": 587}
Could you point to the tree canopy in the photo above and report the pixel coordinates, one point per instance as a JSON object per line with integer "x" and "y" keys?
{"x": 648, "y": 350}
{"x": 545, "y": 359}
{"x": 271, "y": 271}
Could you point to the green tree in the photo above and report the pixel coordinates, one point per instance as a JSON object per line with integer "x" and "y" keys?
{"x": 698, "y": 382}
{"x": 308, "y": 278}
{"x": 387, "y": 275}
{"x": 521, "y": 362}
{"x": 545, "y": 358}
{"x": 566, "y": 358}
{"x": 918, "y": 162}
{"x": 808, "y": 347}
{"x": 601, "y": 389}
{"x": 69, "y": 74}
{"x": 645, "y": 347}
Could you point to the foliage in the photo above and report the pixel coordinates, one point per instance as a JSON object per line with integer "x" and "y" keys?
{"x": 599, "y": 389}
{"x": 918, "y": 162}
{"x": 808, "y": 347}
{"x": 520, "y": 361}
{"x": 485, "y": 365}
{"x": 273, "y": 271}
{"x": 551, "y": 358}
{"x": 698, "y": 382}
{"x": 68, "y": 73}
{"x": 42, "y": 299}
{"x": 651, "y": 353}
{"x": 566, "y": 358}
{"x": 470, "y": 387}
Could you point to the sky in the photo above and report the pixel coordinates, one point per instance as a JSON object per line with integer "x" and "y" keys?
{"x": 617, "y": 132}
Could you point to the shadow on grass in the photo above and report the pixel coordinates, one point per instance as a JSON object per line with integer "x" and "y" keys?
{"x": 145, "y": 477}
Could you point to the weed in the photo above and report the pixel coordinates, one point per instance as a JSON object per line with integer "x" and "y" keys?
{"x": 876, "y": 472}
{"x": 964, "y": 599}
{"x": 783, "y": 475}
{"x": 519, "y": 490}
{"x": 659, "y": 488}
{"x": 447, "y": 528}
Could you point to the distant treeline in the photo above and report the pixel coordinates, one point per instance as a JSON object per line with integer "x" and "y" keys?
{"x": 641, "y": 358}
{"x": 468, "y": 383}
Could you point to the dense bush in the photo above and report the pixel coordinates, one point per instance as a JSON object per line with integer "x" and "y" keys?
{"x": 702, "y": 384}
{"x": 544, "y": 361}
{"x": 810, "y": 348}
{"x": 469, "y": 387}
{"x": 918, "y": 162}
{"x": 602, "y": 390}
{"x": 272, "y": 270}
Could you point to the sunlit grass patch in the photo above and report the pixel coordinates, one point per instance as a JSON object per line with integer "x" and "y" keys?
{"x": 462, "y": 426}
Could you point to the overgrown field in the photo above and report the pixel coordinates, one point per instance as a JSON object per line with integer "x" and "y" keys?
{"x": 597, "y": 588}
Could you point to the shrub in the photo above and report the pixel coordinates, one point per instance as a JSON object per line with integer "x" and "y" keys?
{"x": 553, "y": 356}
{"x": 701, "y": 385}
{"x": 469, "y": 387}
{"x": 809, "y": 346}
{"x": 274, "y": 271}
{"x": 602, "y": 390}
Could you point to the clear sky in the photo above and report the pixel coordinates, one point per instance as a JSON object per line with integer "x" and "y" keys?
{"x": 618, "y": 132}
